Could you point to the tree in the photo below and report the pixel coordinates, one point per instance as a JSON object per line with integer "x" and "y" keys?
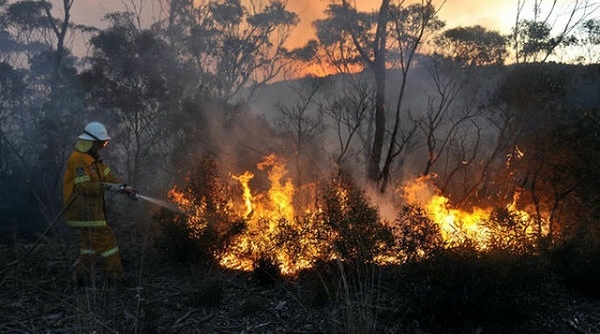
{"x": 60, "y": 29}
{"x": 532, "y": 39}
{"x": 9, "y": 46}
{"x": 465, "y": 64}
{"x": 351, "y": 117}
{"x": 589, "y": 40}
{"x": 472, "y": 46}
{"x": 366, "y": 34}
{"x": 538, "y": 146}
{"x": 438, "y": 116}
{"x": 390, "y": 36}
{"x": 28, "y": 25}
{"x": 15, "y": 156}
{"x": 12, "y": 88}
{"x": 137, "y": 76}
{"x": 234, "y": 47}
{"x": 410, "y": 28}
{"x": 40, "y": 45}
{"x": 302, "y": 123}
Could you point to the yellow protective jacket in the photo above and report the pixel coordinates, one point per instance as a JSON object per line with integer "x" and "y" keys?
{"x": 84, "y": 175}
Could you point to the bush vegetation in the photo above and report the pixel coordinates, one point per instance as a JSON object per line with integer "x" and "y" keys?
{"x": 435, "y": 289}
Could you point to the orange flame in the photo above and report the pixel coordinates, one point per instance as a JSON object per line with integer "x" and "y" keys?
{"x": 270, "y": 213}
{"x": 456, "y": 225}
{"x": 281, "y": 192}
{"x": 244, "y": 180}
{"x": 271, "y": 208}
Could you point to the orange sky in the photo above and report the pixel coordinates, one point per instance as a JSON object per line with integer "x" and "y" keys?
{"x": 492, "y": 14}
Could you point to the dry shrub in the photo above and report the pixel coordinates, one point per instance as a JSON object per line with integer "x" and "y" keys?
{"x": 416, "y": 234}
{"x": 511, "y": 232}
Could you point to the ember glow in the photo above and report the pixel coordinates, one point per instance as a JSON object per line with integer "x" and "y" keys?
{"x": 294, "y": 242}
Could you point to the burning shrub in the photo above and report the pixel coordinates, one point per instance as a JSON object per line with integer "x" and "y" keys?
{"x": 250, "y": 228}
{"x": 305, "y": 240}
{"x": 208, "y": 227}
{"x": 503, "y": 226}
{"x": 359, "y": 234}
{"x": 182, "y": 242}
{"x": 417, "y": 235}
{"x": 512, "y": 231}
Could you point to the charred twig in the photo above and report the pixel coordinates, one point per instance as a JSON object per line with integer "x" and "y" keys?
{"x": 183, "y": 317}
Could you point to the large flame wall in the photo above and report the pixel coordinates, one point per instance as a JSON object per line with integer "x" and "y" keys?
{"x": 270, "y": 213}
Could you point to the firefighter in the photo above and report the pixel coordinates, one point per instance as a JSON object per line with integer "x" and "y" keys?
{"x": 86, "y": 177}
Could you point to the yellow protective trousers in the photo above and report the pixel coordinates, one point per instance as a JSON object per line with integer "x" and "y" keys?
{"x": 98, "y": 241}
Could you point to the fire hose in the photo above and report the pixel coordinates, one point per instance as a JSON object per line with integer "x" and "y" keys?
{"x": 135, "y": 195}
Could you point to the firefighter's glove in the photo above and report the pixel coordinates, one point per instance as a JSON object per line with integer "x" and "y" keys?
{"x": 129, "y": 191}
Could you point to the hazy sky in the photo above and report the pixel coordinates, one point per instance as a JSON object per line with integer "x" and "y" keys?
{"x": 492, "y": 14}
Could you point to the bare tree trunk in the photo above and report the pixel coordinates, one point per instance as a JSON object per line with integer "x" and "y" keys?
{"x": 408, "y": 50}
{"x": 373, "y": 172}
{"x": 60, "y": 31}
{"x": 377, "y": 65}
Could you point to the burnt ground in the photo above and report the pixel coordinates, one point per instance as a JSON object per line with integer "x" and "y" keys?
{"x": 38, "y": 295}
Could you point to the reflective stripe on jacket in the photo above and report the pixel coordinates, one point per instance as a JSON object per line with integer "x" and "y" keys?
{"x": 84, "y": 175}
{"x": 90, "y": 251}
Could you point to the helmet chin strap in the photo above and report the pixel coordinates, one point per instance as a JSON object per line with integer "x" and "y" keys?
{"x": 91, "y": 135}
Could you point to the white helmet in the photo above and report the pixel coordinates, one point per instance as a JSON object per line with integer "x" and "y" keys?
{"x": 94, "y": 131}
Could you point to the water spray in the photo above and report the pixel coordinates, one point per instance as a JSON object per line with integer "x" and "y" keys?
{"x": 164, "y": 204}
